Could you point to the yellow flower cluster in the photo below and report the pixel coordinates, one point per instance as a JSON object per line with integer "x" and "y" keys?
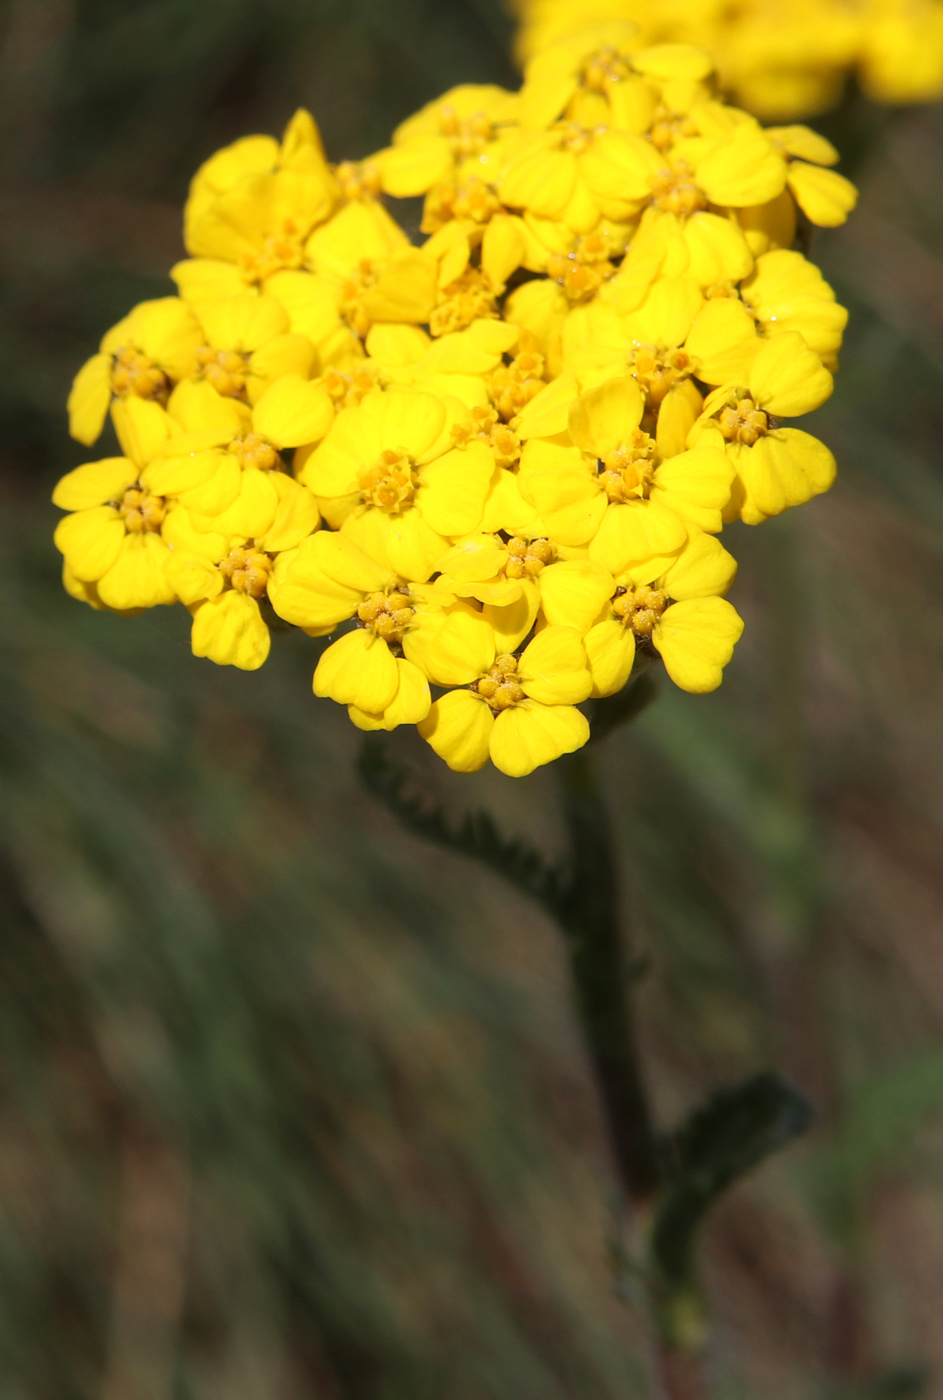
{"x": 780, "y": 59}
{"x": 497, "y": 463}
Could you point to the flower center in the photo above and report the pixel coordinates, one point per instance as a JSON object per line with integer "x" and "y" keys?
{"x": 513, "y": 386}
{"x": 640, "y": 609}
{"x": 253, "y": 451}
{"x": 582, "y": 272}
{"x": 358, "y": 179}
{"x": 284, "y": 249}
{"x": 743, "y": 422}
{"x": 140, "y": 511}
{"x": 667, "y": 128}
{"x": 473, "y": 199}
{"x": 626, "y": 473}
{"x": 526, "y": 558}
{"x": 226, "y": 370}
{"x": 604, "y": 68}
{"x": 390, "y": 484}
{"x": 483, "y": 425}
{"x": 346, "y": 388}
{"x": 574, "y": 137}
{"x": 361, "y": 278}
{"x": 500, "y": 687}
{"x": 247, "y": 570}
{"x": 386, "y": 615}
{"x": 657, "y": 371}
{"x": 134, "y": 373}
{"x": 674, "y": 190}
{"x": 466, "y": 300}
{"x": 467, "y": 136}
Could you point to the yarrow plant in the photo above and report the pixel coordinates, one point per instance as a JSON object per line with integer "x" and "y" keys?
{"x": 494, "y": 467}
{"x": 780, "y": 59}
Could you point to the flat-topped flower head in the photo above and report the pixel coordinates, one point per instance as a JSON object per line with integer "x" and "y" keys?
{"x": 455, "y": 137}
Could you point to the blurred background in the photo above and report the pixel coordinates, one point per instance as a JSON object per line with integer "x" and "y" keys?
{"x": 293, "y": 1106}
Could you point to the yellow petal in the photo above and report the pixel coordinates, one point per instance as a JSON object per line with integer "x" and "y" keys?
{"x": 695, "y": 485}
{"x": 606, "y": 418}
{"x": 95, "y": 484}
{"x": 408, "y": 421}
{"x": 229, "y": 630}
{"x": 89, "y": 399}
{"x": 635, "y": 532}
{"x": 824, "y": 196}
{"x": 503, "y": 249}
{"x": 512, "y": 622}
{"x": 452, "y": 489}
{"x": 415, "y": 166}
{"x": 293, "y": 411}
{"x": 716, "y": 250}
{"x": 679, "y": 411}
{"x": 207, "y": 279}
{"x": 284, "y": 354}
{"x": 669, "y": 61}
{"x": 724, "y": 341}
{"x": 143, "y": 428}
{"x": 358, "y": 669}
{"x": 193, "y": 579}
{"x": 90, "y": 541}
{"x": 458, "y": 727}
{"x": 742, "y": 168}
{"x": 296, "y": 516}
{"x": 531, "y": 734}
{"x": 787, "y": 378}
{"x": 136, "y": 579}
{"x": 610, "y": 651}
{"x": 696, "y": 639}
{"x": 553, "y": 668}
{"x": 412, "y": 546}
{"x": 804, "y": 142}
{"x": 405, "y": 291}
{"x": 702, "y": 568}
{"x": 410, "y": 705}
{"x": 456, "y": 652}
{"x": 574, "y": 592}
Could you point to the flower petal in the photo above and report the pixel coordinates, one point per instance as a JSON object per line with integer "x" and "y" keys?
{"x": 458, "y": 727}
{"x": 229, "y": 630}
{"x": 531, "y": 734}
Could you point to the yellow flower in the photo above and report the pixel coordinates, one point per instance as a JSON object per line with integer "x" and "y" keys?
{"x": 247, "y": 346}
{"x": 251, "y": 210}
{"x": 407, "y": 634}
{"x": 776, "y": 467}
{"x": 520, "y": 710}
{"x": 610, "y": 491}
{"x": 113, "y": 536}
{"x": 902, "y": 51}
{"x": 145, "y": 354}
{"x": 679, "y": 611}
{"x": 788, "y": 293}
{"x": 226, "y": 468}
{"x": 364, "y": 271}
{"x": 455, "y": 136}
{"x": 390, "y": 468}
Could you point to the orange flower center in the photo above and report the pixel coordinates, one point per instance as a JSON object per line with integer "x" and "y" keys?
{"x": 387, "y": 615}
{"x": 582, "y": 272}
{"x": 674, "y": 190}
{"x": 483, "y": 425}
{"x": 574, "y": 137}
{"x": 358, "y": 281}
{"x": 346, "y": 388}
{"x": 468, "y": 299}
{"x": 526, "y": 558}
{"x": 500, "y": 687}
{"x": 640, "y": 609}
{"x": 626, "y": 473}
{"x": 133, "y": 373}
{"x": 390, "y": 485}
{"x": 280, "y": 250}
{"x": 358, "y": 179}
{"x": 513, "y": 386}
{"x": 141, "y": 512}
{"x": 468, "y": 136}
{"x": 253, "y": 451}
{"x": 657, "y": 371}
{"x": 247, "y": 570}
{"x": 604, "y": 68}
{"x": 226, "y": 370}
{"x": 743, "y": 422}
{"x": 667, "y": 128}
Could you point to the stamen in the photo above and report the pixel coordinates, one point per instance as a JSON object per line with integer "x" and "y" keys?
{"x": 483, "y": 425}
{"x": 358, "y": 179}
{"x": 513, "y": 386}
{"x": 253, "y": 451}
{"x": 247, "y": 570}
{"x": 387, "y": 615}
{"x": 603, "y": 69}
{"x": 347, "y": 387}
{"x": 391, "y": 484}
{"x": 133, "y": 373}
{"x": 657, "y": 371}
{"x": 226, "y": 370}
{"x": 527, "y": 558}
{"x": 582, "y": 272}
{"x": 627, "y": 472}
{"x": 640, "y": 608}
{"x": 675, "y": 191}
{"x": 743, "y": 422}
{"x": 284, "y": 249}
{"x": 364, "y": 276}
{"x": 467, "y": 136}
{"x": 141, "y": 512}
{"x": 468, "y": 299}
{"x": 500, "y": 687}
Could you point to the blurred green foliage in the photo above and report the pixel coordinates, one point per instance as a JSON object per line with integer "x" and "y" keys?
{"x": 292, "y": 1105}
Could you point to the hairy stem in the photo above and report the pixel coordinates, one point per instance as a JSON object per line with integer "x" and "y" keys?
{"x": 599, "y": 964}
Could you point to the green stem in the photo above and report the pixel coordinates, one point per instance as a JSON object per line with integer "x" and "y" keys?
{"x": 600, "y": 968}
